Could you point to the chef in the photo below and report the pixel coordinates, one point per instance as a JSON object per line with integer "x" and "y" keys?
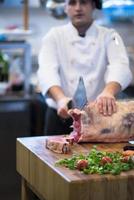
{"x": 81, "y": 48}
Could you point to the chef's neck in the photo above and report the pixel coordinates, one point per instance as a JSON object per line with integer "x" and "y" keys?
{"x": 83, "y": 28}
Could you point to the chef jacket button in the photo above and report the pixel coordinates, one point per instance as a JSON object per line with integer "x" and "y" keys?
{"x": 72, "y": 61}
{"x": 91, "y": 82}
{"x": 72, "y": 80}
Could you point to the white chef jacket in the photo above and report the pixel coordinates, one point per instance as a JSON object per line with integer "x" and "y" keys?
{"x": 99, "y": 57}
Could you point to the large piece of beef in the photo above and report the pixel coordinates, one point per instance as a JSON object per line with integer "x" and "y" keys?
{"x": 91, "y": 126}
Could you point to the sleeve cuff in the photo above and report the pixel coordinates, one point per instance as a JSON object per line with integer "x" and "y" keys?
{"x": 118, "y": 74}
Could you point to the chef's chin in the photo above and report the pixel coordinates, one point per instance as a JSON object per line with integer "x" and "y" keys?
{"x": 78, "y": 23}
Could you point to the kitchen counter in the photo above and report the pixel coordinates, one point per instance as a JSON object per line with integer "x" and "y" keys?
{"x": 38, "y": 171}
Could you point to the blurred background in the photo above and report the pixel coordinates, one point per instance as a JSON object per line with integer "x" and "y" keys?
{"x": 22, "y": 107}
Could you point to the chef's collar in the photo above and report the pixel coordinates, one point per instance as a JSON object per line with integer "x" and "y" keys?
{"x": 74, "y": 35}
{"x": 82, "y": 34}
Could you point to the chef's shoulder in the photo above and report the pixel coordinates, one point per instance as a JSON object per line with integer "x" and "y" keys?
{"x": 55, "y": 33}
{"x": 108, "y": 34}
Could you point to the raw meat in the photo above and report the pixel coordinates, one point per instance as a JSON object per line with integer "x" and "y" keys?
{"x": 91, "y": 126}
{"x": 59, "y": 144}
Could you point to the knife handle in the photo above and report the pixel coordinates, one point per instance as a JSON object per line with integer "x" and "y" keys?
{"x": 70, "y": 104}
{"x": 125, "y": 148}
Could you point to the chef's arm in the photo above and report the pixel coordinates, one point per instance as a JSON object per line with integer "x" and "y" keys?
{"x": 106, "y": 99}
{"x": 112, "y": 88}
{"x": 118, "y": 69}
{"x": 56, "y": 93}
{"x": 61, "y": 99}
{"x": 117, "y": 76}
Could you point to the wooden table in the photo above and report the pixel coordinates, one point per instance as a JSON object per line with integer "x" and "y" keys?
{"x": 36, "y": 165}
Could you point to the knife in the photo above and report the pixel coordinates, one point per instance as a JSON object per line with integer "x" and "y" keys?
{"x": 128, "y": 147}
{"x": 80, "y": 97}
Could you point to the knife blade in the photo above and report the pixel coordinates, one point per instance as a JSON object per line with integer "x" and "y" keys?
{"x": 79, "y": 99}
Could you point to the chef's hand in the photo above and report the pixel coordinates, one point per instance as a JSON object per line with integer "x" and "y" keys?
{"x": 106, "y": 104}
{"x": 62, "y": 108}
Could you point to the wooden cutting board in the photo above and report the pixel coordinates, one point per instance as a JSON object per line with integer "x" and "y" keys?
{"x": 36, "y": 165}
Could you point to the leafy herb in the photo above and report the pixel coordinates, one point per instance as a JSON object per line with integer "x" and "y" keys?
{"x": 98, "y": 162}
